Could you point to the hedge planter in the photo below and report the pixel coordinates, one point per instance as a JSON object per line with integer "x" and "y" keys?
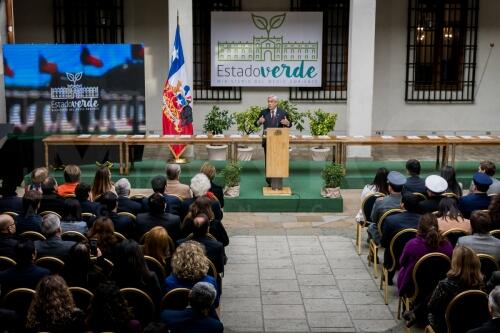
{"x": 330, "y": 192}
{"x": 245, "y": 153}
{"x": 217, "y": 153}
{"x": 320, "y": 153}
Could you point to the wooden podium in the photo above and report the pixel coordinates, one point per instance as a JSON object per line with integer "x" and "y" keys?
{"x": 277, "y": 161}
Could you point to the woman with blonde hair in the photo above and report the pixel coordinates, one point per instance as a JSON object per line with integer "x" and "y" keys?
{"x": 189, "y": 266}
{"x": 159, "y": 245}
{"x": 102, "y": 183}
{"x": 464, "y": 274}
{"x": 215, "y": 190}
{"x": 53, "y": 308}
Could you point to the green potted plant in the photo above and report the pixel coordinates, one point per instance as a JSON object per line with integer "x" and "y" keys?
{"x": 297, "y": 118}
{"x": 321, "y": 123}
{"x": 245, "y": 122}
{"x": 231, "y": 174}
{"x": 332, "y": 175}
{"x": 216, "y": 122}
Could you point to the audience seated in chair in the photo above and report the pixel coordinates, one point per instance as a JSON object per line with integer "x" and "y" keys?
{"x": 29, "y": 220}
{"x": 196, "y": 318}
{"x": 159, "y": 245}
{"x": 465, "y": 274}
{"x": 130, "y": 270}
{"x": 215, "y": 190}
{"x": 174, "y": 186}
{"x": 109, "y": 311}
{"x": 109, "y": 207}
{"x": 156, "y": 216}
{"x": 102, "y": 183}
{"x": 125, "y": 204}
{"x": 82, "y": 193}
{"x": 489, "y": 169}
{"x": 71, "y": 179}
{"x": 395, "y": 223}
{"x": 189, "y": 266}
{"x": 25, "y": 274}
{"x": 200, "y": 184}
{"x": 450, "y": 217}
{"x": 72, "y": 218}
{"x": 8, "y": 238}
{"x": 53, "y": 308}
{"x": 435, "y": 186}
{"x": 378, "y": 185}
{"x": 51, "y": 201}
{"x": 477, "y": 199}
{"x": 214, "y": 250}
{"x": 414, "y": 184}
{"x": 481, "y": 241}
{"x": 38, "y": 175}
{"x": 10, "y": 201}
{"x": 174, "y": 201}
{"x": 53, "y": 246}
{"x": 103, "y": 231}
{"x": 494, "y": 210}
{"x": 449, "y": 174}
{"x": 492, "y": 325}
{"x": 203, "y": 205}
{"x": 80, "y": 270}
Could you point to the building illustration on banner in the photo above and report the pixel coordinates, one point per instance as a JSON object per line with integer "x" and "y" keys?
{"x": 75, "y": 95}
{"x": 271, "y": 47}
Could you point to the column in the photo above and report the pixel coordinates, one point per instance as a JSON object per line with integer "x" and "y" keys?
{"x": 360, "y": 72}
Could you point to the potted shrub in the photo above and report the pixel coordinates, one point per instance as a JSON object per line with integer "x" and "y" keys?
{"x": 231, "y": 174}
{"x": 321, "y": 123}
{"x": 216, "y": 122}
{"x": 293, "y": 115}
{"x": 332, "y": 175}
{"x": 245, "y": 122}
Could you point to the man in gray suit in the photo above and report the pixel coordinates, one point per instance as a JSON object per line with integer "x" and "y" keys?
{"x": 480, "y": 240}
{"x": 53, "y": 246}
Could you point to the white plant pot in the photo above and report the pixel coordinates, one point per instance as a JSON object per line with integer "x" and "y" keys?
{"x": 232, "y": 191}
{"x": 330, "y": 192}
{"x": 217, "y": 153}
{"x": 320, "y": 153}
{"x": 245, "y": 153}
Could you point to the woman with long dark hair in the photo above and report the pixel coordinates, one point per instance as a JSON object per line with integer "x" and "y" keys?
{"x": 72, "y": 217}
{"x": 449, "y": 216}
{"x": 448, "y": 173}
{"x": 379, "y": 184}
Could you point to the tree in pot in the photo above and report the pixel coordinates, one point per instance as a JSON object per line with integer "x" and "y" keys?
{"x": 216, "y": 122}
{"x": 321, "y": 123}
{"x": 293, "y": 115}
{"x": 332, "y": 175}
{"x": 231, "y": 174}
{"x": 245, "y": 122}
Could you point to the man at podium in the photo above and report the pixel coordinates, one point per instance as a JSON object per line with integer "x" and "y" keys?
{"x": 272, "y": 117}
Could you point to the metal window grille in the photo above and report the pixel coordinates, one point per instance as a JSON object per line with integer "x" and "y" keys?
{"x": 203, "y": 91}
{"x": 335, "y": 48}
{"x": 88, "y": 21}
{"x": 441, "y": 50}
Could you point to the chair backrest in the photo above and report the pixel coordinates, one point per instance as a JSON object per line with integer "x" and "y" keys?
{"x": 495, "y": 233}
{"x": 466, "y": 311}
{"x": 396, "y": 247}
{"x": 6, "y": 263}
{"x": 137, "y": 197}
{"x": 119, "y": 236}
{"x": 88, "y": 217}
{"x": 420, "y": 196}
{"x": 74, "y": 236}
{"x": 105, "y": 264}
{"x": 428, "y": 271}
{"x": 382, "y": 218}
{"x": 209, "y": 236}
{"x": 14, "y": 215}
{"x": 155, "y": 266}
{"x": 367, "y": 204}
{"x": 488, "y": 265}
{"x": 454, "y": 234}
{"x": 176, "y": 196}
{"x": 142, "y": 305}
{"x": 82, "y": 297}
{"x": 46, "y": 212}
{"x": 33, "y": 235}
{"x": 129, "y": 215}
{"x": 53, "y": 264}
{"x": 176, "y": 299}
{"x": 450, "y": 195}
{"x": 19, "y": 300}
{"x": 71, "y": 195}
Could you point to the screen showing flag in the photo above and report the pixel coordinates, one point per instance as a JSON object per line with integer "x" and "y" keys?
{"x": 75, "y": 88}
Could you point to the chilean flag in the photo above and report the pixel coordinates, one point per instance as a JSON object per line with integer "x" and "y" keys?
{"x": 176, "y": 110}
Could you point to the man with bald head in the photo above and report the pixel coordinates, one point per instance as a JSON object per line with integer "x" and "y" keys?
{"x": 7, "y": 236}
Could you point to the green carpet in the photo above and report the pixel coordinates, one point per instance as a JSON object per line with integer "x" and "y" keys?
{"x": 305, "y": 181}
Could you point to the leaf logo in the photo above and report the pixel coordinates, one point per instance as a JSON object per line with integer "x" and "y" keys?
{"x": 263, "y": 24}
{"x": 74, "y": 77}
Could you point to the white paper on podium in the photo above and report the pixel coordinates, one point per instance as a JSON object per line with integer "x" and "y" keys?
{"x": 138, "y": 136}
{"x": 324, "y": 136}
{"x": 467, "y": 137}
{"x": 433, "y": 137}
{"x": 451, "y": 136}
{"x": 153, "y": 136}
{"x": 254, "y": 136}
{"x": 387, "y": 137}
{"x": 219, "y": 136}
{"x": 185, "y": 136}
{"x": 104, "y": 136}
{"x": 484, "y": 137}
{"x": 120, "y": 136}
{"x": 235, "y": 136}
{"x": 84, "y": 136}
{"x": 202, "y": 136}
{"x": 304, "y": 136}
{"x": 412, "y": 137}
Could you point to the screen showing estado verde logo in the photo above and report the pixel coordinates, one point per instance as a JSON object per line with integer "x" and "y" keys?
{"x": 266, "y": 49}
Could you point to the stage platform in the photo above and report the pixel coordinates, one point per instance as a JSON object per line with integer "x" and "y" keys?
{"x": 305, "y": 182}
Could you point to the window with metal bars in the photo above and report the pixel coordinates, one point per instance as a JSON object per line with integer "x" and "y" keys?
{"x": 441, "y": 50}
{"x": 88, "y": 21}
{"x": 203, "y": 91}
{"x": 335, "y": 48}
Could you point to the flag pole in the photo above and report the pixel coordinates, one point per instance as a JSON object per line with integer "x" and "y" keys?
{"x": 177, "y": 17}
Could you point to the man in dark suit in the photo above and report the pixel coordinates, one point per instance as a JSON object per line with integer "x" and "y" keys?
{"x": 82, "y": 193}
{"x": 8, "y": 239}
{"x": 195, "y": 319}
{"x": 435, "y": 187}
{"x": 53, "y": 246}
{"x": 479, "y": 198}
{"x": 174, "y": 203}
{"x": 25, "y": 274}
{"x": 109, "y": 205}
{"x": 50, "y": 199}
{"x": 214, "y": 250}
{"x": 10, "y": 202}
{"x": 125, "y": 204}
{"x": 414, "y": 183}
{"x": 157, "y": 217}
{"x": 492, "y": 325}
{"x": 272, "y": 117}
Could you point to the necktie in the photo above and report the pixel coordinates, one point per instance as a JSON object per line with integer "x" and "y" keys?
{"x": 273, "y": 118}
